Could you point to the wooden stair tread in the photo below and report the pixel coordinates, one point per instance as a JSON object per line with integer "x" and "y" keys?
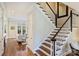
{"x": 35, "y": 54}
{"x": 49, "y": 17}
{"x": 38, "y": 3}
{"x": 46, "y": 14}
{"x": 48, "y": 45}
{"x": 58, "y": 49}
{"x": 43, "y": 10}
{"x": 50, "y": 37}
{"x": 48, "y": 40}
{"x": 45, "y": 49}
{"x": 57, "y": 38}
{"x": 59, "y": 44}
{"x": 72, "y": 54}
{"x": 61, "y": 32}
{"x": 52, "y": 20}
{"x": 41, "y": 53}
{"x": 41, "y": 7}
{"x": 59, "y": 35}
{"x": 62, "y": 29}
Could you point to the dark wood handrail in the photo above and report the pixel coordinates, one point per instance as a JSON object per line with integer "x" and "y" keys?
{"x": 75, "y": 14}
{"x": 53, "y": 13}
{"x": 71, "y": 20}
{"x": 51, "y": 9}
{"x": 60, "y": 28}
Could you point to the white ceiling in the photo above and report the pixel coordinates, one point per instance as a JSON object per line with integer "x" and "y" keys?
{"x": 74, "y": 5}
{"x": 18, "y": 10}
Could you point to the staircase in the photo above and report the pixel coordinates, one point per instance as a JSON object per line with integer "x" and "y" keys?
{"x": 61, "y": 35}
{"x": 61, "y": 39}
{"x": 43, "y": 6}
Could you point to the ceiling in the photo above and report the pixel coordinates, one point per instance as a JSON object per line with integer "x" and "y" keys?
{"x": 18, "y": 10}
{"x": 74, "y": 5}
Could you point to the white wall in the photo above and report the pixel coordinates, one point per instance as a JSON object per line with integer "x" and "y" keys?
{"x": 1, "y": 30}
{"x": 1, "y": 37}
{"x": 30, "y": 40}
{"x": 12, "y": 32}
{"x": 15, "y": 13}
{"x": 73, "y": 5}
{"x": 40, "y": 27}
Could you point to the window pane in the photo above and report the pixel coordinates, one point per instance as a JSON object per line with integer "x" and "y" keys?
{"x": 19, "y": 29}
{"x": 24, "y": 29}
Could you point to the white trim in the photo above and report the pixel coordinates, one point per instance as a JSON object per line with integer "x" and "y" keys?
{"x": 47, "y": 47}
{"x": 47, "y": 42}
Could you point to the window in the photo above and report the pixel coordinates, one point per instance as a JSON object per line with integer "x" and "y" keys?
{"x": 19, "y": 29}
{"x": 23, "y": 29}
{"x": 62, "y": 10}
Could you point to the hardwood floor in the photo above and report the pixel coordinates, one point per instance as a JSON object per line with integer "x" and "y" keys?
{"x": 12, "y": 49}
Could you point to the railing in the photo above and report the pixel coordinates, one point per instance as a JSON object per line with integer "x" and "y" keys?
{"x": 53, "y": 13}
{"x": 70, "y": 17}
{"x": 53, "y": 39}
